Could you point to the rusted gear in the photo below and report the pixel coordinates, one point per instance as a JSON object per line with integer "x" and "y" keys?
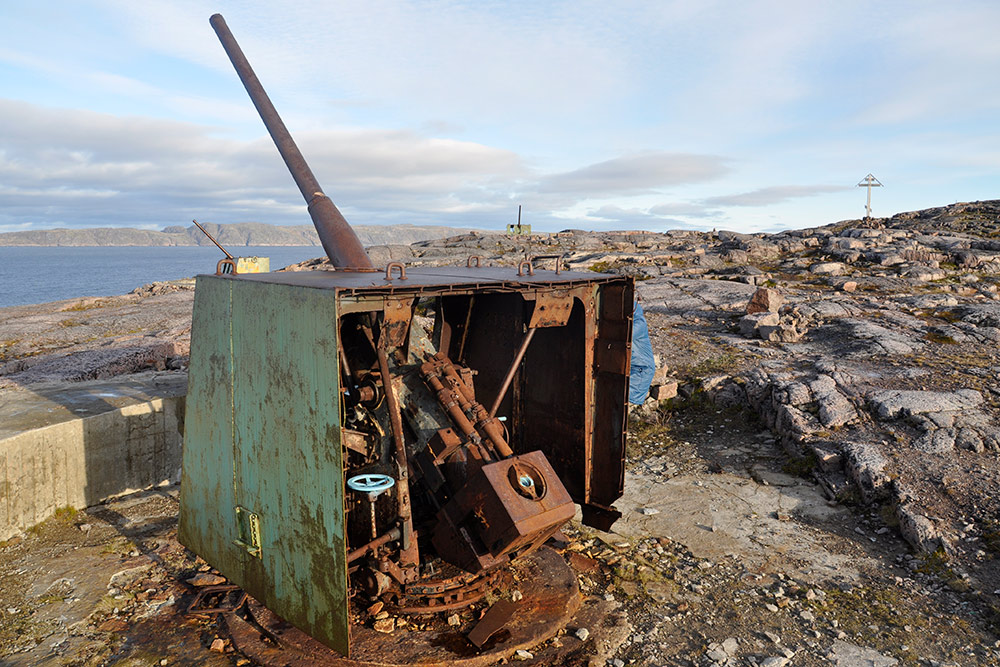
{"x": 446, "y": 594}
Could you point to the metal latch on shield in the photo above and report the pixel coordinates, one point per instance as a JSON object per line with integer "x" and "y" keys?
{"x": 248, "y": 526}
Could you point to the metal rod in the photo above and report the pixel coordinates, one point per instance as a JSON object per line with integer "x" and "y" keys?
{"x": 345, "y": 367}
{"x": 510, "y": 372}
{"x": 408, "y": 552}
{"x": 393, "y": 534}
{"x": 212, "y": 239}
{"x": 341, "y": 243}
{"x": 465, "y": 329}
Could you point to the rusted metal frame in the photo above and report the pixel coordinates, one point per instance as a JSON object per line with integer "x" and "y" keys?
{"x": 359, "y": 303}
{"x": 589, "y": 387}
{"x": 391, "y": 536}
{"x": 396, "y": 316}
{"x": 341, "y": 243}
{"x": 359, "y": 299}
{"x": 408, "y": 554}
{"x": 613, "y": 345}
{"x": 553, "y": 307}
{"x": 510, "y": 372}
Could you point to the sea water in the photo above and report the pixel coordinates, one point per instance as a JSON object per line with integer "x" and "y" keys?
{"x": 37, "y": 274}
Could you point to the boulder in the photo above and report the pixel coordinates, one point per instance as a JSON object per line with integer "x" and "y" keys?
{"x": 749, "y": 324}
{"x": 662, "y": 392}
{"x": 764, "y": 300}
{"x": 865, "y": 466}
{"x": 780, "y": 333}
{"x": 828, "y": 269}
{"x": 917, "y": 529}
{"x": 936, "y": 441}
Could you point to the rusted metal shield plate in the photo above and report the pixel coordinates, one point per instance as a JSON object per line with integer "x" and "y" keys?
{"x": 207, "y": 495}
{"x": 263, "y": 434}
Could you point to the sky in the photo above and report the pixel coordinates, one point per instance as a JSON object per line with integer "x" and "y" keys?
{"x": 694, "y": 114}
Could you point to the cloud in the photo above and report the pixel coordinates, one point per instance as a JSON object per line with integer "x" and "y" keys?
{"x": 617, "y": 217}
{"x": 686, "y": 209}
{"x": 614, "y": 217}
{"x": 86, "y": 168}
{"x": 471, "y": 58}
{"x": 82, "y": 168}
{"x": 773, "y": 195}
{"x": 944, "y": 55}
{"x": 19, "y": 227}
{"x": 639, "y": 173}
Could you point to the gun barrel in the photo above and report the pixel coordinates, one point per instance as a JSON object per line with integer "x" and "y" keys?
{"x": 339, "y": 240}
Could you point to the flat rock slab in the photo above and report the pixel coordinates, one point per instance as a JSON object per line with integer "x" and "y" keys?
{"x": 848, "y": 655}
{"x": 727, "y": 515}
{"x": 681, "y": 294}
{"x": 894, "y": 403}
{"x": 878, "y": 340}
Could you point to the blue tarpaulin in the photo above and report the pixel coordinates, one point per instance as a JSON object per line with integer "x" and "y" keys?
{"x": 643, "y": 366}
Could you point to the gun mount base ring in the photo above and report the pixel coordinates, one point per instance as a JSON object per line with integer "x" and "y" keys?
{"x": 546, "y": 608}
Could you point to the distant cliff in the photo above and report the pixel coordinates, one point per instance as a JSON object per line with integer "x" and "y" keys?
{"x": 235, "y": 235}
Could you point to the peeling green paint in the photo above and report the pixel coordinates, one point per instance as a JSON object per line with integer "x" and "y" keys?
{"x": 263, "y": 433}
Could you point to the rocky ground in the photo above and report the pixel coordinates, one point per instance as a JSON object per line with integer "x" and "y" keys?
{"x": 96, "y": 338}
{"x": 814, "y": 480}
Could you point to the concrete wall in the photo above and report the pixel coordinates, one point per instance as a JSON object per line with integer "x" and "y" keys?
{"x": 82, "y": 462}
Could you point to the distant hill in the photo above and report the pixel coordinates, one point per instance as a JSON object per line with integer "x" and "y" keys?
{"x": 235, "y": 235}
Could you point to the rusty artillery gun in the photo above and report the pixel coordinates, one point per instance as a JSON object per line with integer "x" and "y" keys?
{"x": 339, "y": 451}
